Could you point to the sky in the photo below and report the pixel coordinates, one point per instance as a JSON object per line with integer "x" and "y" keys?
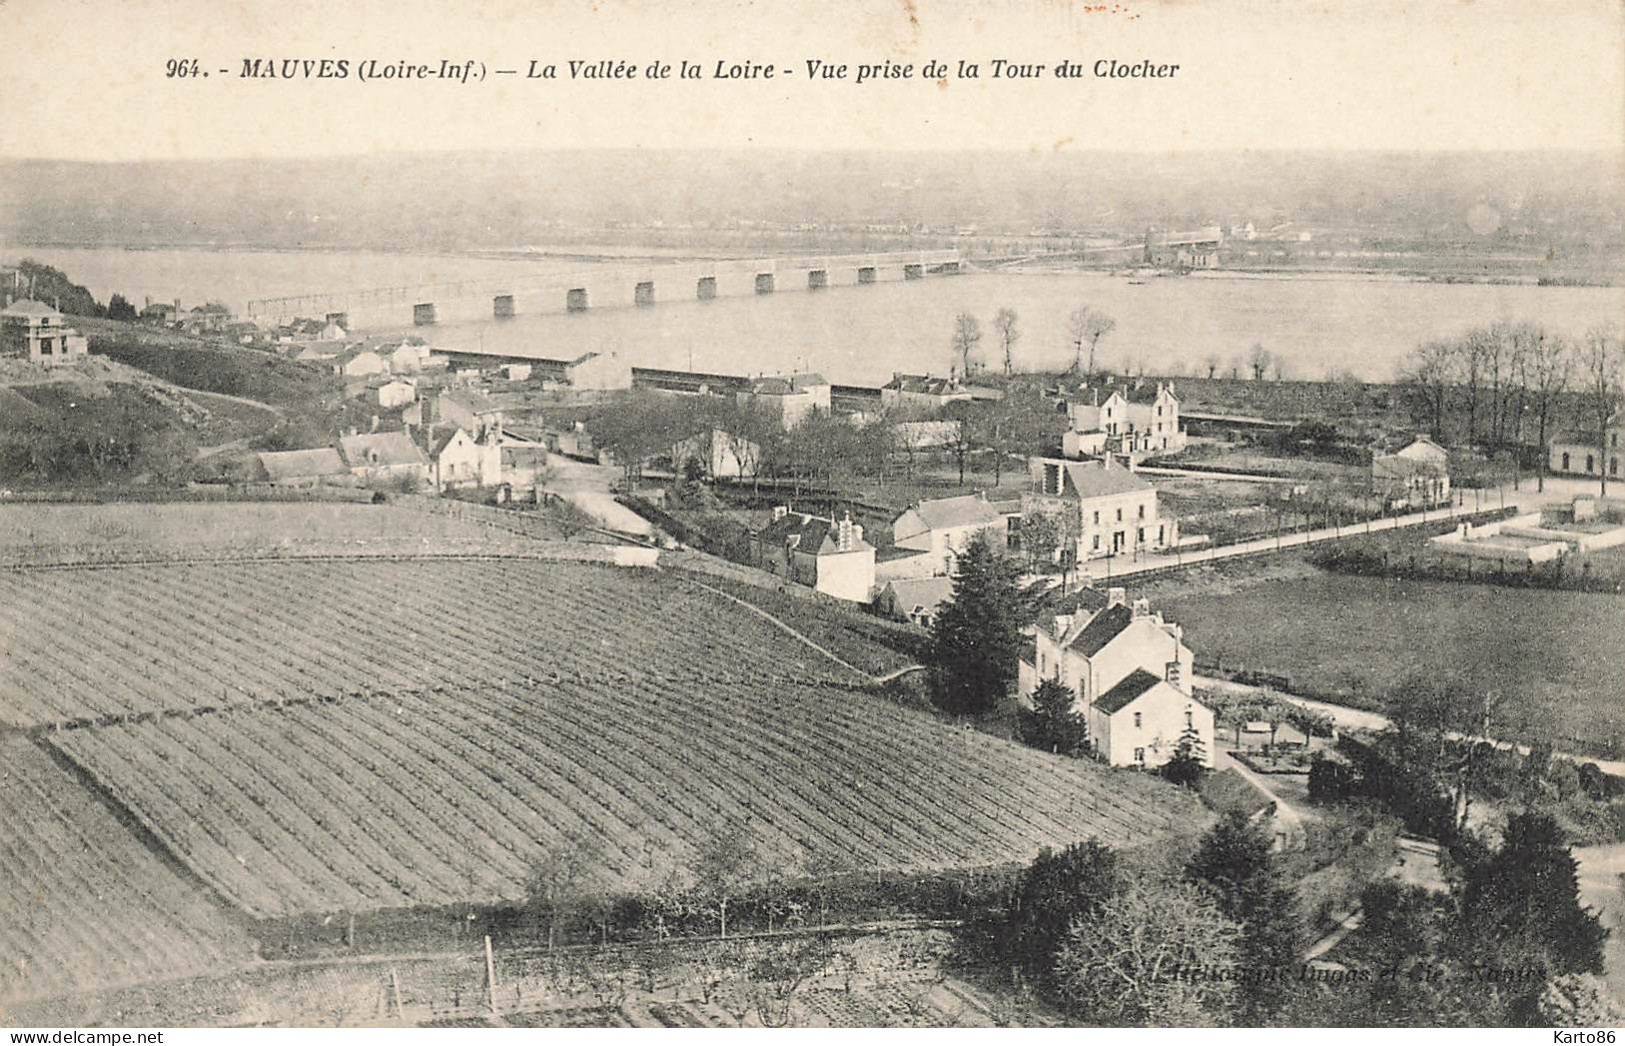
{"x": 1253, "y": 74}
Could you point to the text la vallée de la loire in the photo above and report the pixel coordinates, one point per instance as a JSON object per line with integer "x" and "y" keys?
{"x": 609, "y": 69}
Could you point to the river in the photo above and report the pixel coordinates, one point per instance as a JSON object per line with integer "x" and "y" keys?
{"x": 863, "y": 334}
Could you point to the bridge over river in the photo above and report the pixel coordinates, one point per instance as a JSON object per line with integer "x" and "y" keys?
{"x": 607, "y": 286}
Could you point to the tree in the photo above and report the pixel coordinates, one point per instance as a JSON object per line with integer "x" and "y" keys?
{"x": 1053, "y": 723}
{"x": 1086, "y": 326}
{"x": 1040, "y": 540}
{"x": 1211, "y": 362}
{"x": 1004, "y": 325}
{"x": 967, "y": 335}
{"x": 722, "y": 869}
{"x": 1602, "y": 369}
{"x": 1188, "y": 766}
{"x": 1527, "y": 896}
{"x": 1057, "y": 889}
{"x": 1156, "y": 953}
{"x": 976, "y": 638}
{"x": 1258, "y": 360}
{"x": 1549, "y": 367}
{"x": 554, "y": 882}
{"x": 119, "y": 308}
{"x": 1233, "y": 862}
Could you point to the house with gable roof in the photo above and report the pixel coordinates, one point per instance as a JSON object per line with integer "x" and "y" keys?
{"x": 1106, "y": 508}
{"x": 384, "y": 457}
{"x": 1131, "y": 672}
{"x": 944, "y": 527}
{"x": 788, "y": 397}
{"x": 1418, "y": 475}
{"x": 826, "y": 555}
{"x": 1138, "y": 420}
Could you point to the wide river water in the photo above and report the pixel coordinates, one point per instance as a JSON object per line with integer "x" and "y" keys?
{"x": 863, "y": 334}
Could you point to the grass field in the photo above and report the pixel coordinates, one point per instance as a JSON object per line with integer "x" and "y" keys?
{"x": 83, "y": 904}
{"x": 1555, "y": 656}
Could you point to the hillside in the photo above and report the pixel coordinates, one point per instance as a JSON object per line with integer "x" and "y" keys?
{"x": 84, "y": 905}
{"x": 311, "y": 737}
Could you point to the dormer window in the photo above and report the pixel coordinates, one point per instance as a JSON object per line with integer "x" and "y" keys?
{"x": 1136, "y": 720}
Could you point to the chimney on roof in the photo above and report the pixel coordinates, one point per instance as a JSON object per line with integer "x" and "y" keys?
{"x": 1062, "y": 623}
{"x": 1141, "y": 608}
{"x": 1116, "y": 597}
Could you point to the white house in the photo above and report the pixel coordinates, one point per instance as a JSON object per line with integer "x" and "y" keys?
{"x": 1104, "y": 506}
{"x": 392, "y": 393}
{"x": 34, "y": 331}
{"x": 944, "y": 527}
{"x": 1418, "y": 475}
{"x": 916, "y": 600}
{"x": 359, "y": 362}
{"x": 1139, "y": 420}
{"x": 1586, "y": 453}
{"x": 456, "y": 459}
{"x": 1131, "y": 672}
{"x": 404, "y": 357}
{"x": 788, "y": 397}
{"x": 823, "y": 554}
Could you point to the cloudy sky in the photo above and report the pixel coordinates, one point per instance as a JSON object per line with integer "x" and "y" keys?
{"x": 85, "y": 79}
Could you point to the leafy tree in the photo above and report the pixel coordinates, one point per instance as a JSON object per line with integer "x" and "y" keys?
{"x": 1233, "y": 861}
{"x": 1330, "y": 781}
{"x": 1527, "y": 893}
{"x": 1188, "y": 766}
{"x": 723, "y": 870}
{"x": 119, "y": 308}
{"x": 1053, "y": 723}
{"x": 1155, "y": 953}
{"x": 1258, "y": 360}
{"x": 976, "y": 638}
{"x": 1057, "y": 889}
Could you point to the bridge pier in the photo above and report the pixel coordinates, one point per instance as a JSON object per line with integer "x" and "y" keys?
{"x": 765, "y": 284}
{"x": 423, "y": 314}
{"x": 913, "y": 272}
{"x": 866, "y": 274}
{"x": 705, "y": 288}
{"x": 644, "y": 293}
{"x": 817, "y": 279}
{"x": 575, "y": 299}
{"x": 502, "y": 307}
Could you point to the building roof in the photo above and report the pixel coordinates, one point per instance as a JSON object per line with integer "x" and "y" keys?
{"x": 1101, "y": 630}
{"x": 1126, "y": 692}
{"x": 1397, "y": 466}
{"x": 475, "y": 401}
{"x": 1146, "y": 392}
{"x": 926, "y": 593}
{"x": 1094, "y": 479}
{"x": 785, "y": 384}
{"x": 302, "y": 464}
{"x": 440, "y": 442}
{"x": 380, "y": 449}
{"x": 28, "y": 307}
{"x": 812, "y": 534}
{"x": 967, "y": 510}
{"x": 923, "y": 384}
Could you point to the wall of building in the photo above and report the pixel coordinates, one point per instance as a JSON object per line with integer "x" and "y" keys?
{"x": 1162, "y": 711}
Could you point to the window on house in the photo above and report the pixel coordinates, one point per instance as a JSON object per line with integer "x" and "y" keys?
{"x": 1162, "y": 537}
{"x": 1159, "y": 414}
{"x": 1097, "y": 518}
{"x": 1190, "y": 718}
{"x": 1142, "y": 512}
{"x": 1139, "y": 535}
{"x": 1139, "y": 755}
{"x": 1565, "y": 461}
{"x": 1119, "y": 515}
{"x": 1590, "y": 462}
{"x": 1095, "y": 545}
{"x": 1613, "y": 466}
{"x": 1136, "y": 720}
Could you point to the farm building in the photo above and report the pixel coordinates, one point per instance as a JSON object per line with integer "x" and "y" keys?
{"x": 304, "y": 468}
{"x": 384, "y": 457}
{"x": 1131, "y": 672}
{"x": 943, "y": 527}
{"x": 1113, "y": 511}
{"x": 1418, "y": 475}
{"x": 822, "y": 554}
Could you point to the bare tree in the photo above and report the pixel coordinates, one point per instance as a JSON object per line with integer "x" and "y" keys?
{"x": 967, "y": 335}
{"x": 1211, "y": 362}
{"x": 1086, "y": 326}
{"x": 1004, "y": 324}
{"x": 1427, "y": 377}
{"x": 1602, "y": 369}
{"x": 1549, "y": 367}
{"x": 722, "y": 871}
{"x": 1258, "y": 360}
